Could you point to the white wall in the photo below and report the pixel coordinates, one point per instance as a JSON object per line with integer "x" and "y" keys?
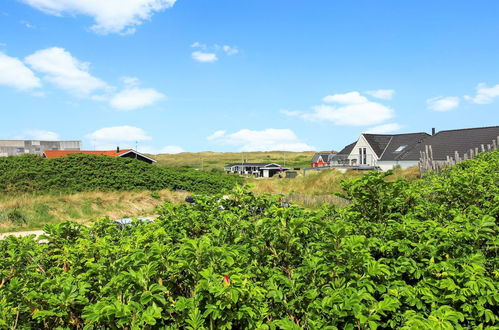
{"x": 388, "y": 165}
{"x": 372, "y": 158}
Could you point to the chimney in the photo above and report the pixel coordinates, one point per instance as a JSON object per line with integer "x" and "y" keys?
{"x": 433, "y": 131}
{"x": 117, "y": 150}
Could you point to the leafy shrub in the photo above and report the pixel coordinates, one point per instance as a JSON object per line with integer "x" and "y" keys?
{"x": 80, "y": 172}
{"x": 420, "y": 255}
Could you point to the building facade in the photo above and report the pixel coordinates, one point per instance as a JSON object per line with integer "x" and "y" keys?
{"x": 386, "y": 151}
{"x": 36, "y": 147}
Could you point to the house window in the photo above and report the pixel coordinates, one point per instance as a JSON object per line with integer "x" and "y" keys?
{"x": 362, "y": 156}
{"x": 399, "y": 149}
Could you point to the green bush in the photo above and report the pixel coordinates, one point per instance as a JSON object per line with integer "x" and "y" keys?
{"x": 419, "y": 255}
{"x": 80, "y": 172}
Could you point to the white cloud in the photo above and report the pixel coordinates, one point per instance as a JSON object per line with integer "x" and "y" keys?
{"x": 65, "y": 71}
{"x": 384, "y": 129}
{"x": 369, "y": 113}
{"x": 216, "y": 135}
{"x": 118, "y": 134}
{"x": 132, "y": 98}
{"x": 204, "y": 57}
{"x": 264, "y": 140}
{"x": 210, "y": 53}
{"x": 347, "y": 98}
{"x": 27, "y": 24}
{"x": 68, "y": 73}
{"x": 383, "y": 94}
{"x": 15, "y": 74}
{"x": 37, "y": 134}
{"x": 353, "y": 110}
{"x": 484, "y": 94}
{"x": 197, "y": 44}
{"x": 230, "y": 50}
{"x": 441, "y": 103}
{"x": 110, "y": 16}
{"x": 130, "y": 81}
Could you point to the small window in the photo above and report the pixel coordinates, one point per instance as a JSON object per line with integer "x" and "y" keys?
{"x": 399, "y": 149}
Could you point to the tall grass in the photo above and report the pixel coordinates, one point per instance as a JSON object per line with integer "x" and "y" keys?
{"x": 317, "y": 187}
{"x": 30, "y": 211}
{"x": 216, "y": 160}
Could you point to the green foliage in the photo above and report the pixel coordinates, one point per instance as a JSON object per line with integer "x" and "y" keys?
{"x": 80, "y": 172}
{"x": 155, "y": 195}
{"x": 420, "y": 255}
{"x": 15, "y": 216}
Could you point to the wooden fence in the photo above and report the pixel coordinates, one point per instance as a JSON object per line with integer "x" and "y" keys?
{"x": 427, "y": 163}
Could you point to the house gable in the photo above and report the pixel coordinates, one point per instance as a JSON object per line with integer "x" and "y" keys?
{"x": 371, "y": 155}
{"x": 137, "y": 155}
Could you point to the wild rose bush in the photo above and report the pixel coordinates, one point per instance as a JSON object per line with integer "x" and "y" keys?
{"x": 79, "y": 172}
{"x": 420, "y": 255}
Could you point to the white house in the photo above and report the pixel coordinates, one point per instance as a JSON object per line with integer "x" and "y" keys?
{"x": 385, "y": 151}
{"x": 379, "y": 151}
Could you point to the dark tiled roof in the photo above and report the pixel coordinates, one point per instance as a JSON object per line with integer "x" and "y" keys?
{"x": 400, "y": 144}
{"x": 343, "y": 153}
{"x": 250, "y": 164}
{"x": 378, "y": 142}
{"x": 325, "y": 157}
{"x": 347, "y": 150}
{"x": 445, "y": 143}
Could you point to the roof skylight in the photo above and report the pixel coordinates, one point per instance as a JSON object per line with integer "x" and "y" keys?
{"x": 399, "y": 149}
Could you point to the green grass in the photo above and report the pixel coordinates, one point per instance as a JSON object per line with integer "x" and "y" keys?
{"x": 317, "y": 187}
{"x": 32, "y": 211}
{"x": 216, "y": 160}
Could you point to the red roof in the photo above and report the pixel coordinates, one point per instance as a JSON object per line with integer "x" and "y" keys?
{"x": 62, "y": 153}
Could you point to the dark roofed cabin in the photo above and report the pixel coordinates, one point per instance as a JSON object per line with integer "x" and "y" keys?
{"x": 265, "y": 170}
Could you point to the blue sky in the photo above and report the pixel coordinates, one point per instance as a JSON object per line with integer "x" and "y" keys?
{"x": 227, "y": 75}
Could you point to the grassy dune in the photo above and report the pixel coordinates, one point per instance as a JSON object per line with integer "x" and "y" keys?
{"x": 317, "y": 188}
{"x": 216, "y": 160}
{"x": 29, "y": 212}
{"x": 32, "y": 211}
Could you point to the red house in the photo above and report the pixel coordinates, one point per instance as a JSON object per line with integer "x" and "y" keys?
{"x": 321, "y": 159}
